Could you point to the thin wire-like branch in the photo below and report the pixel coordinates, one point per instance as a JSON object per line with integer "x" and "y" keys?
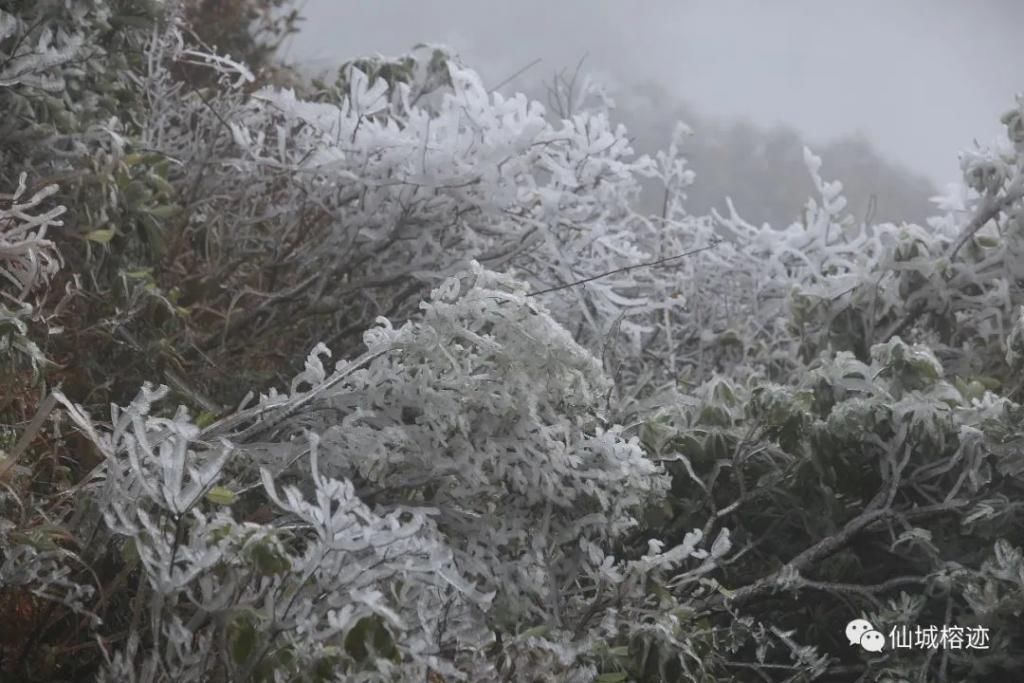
{"x": 518, "y": 73}
{"x": 626, "y": 269}
{"x": 287, "y": 407}
{"x": 27, "y": 436}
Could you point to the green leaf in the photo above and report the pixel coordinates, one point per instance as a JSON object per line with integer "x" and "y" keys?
{"x": 102, "y": 236}
{"x": 715, "y": 416}
{"x": 242, "y": 636}
{"x": 161, "y": 166}
{"x": 974, "y": 389}
{"x": 161, "y": 184}
{"x": 268, "y": 558}
{"x": 129, "y": 553}
{"x": 612, "y": 677}
{"x": 683, "y": 613}
{"x": 164, "y": 211}
{"x": 990, "y": 383}
{"x": 660, "y": 591}
{"x": 142, "y": 274}
{"x": 130, "y": 21}
{"x": 326, "y": 667}
{"x": 924, "y": 368}
{"x": 205, "y": 419}
{"x": 136, "y": 194}
{"x": 218, "y": 534}
{"x": 369, "y": 634}
{"x": 535, "y": 632}
{"x": 154, "y": 236}
{"x": 689, "y": 445}
{"x": 220, "y": 495}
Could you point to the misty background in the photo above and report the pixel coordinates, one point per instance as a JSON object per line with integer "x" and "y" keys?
{"x": 886, "y": 92}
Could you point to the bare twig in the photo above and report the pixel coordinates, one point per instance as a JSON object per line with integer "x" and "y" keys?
{"x": 27, "y": 436}
{"x": 518, "y": 73}
{"x": 287, "y": 407}
{"x": 625, "y": 269}
{"x": 989, "y": 210}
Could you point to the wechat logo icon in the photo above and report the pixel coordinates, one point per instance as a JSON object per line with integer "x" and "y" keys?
{"x": 861, "y": 632}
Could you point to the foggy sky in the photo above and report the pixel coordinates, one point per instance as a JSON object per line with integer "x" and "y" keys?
{"x": 920, "y": 78}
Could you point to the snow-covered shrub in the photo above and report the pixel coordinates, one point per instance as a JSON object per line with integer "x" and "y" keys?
{"x": 330, "y": 588}
{"x": 410, "y": 188}
{"x": 207, "y": 220}
{"x": 571, "y": 442}
{"x": 882, "y": 484}
{"x": 38, "y": 571}
{"x": 27, "y": 262}
{"x": 447, "y": 502}
{"x": 827, "y": 282}
{"x": 34, "y": 567}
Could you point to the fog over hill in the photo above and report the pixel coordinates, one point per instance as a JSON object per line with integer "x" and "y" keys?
{"x": 886, "y": 93}
{"x": 920, "y": 78}
{"x": 762, "y": 169}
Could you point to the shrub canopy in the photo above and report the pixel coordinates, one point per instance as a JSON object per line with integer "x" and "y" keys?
{"x": 563, "y": 440}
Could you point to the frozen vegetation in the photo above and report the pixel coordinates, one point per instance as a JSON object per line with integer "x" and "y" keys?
{"x": 388, "y": 377}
